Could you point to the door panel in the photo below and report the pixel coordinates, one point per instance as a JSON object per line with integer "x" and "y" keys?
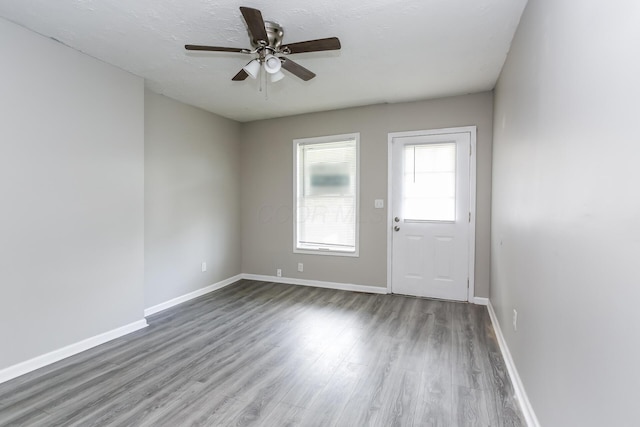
{"x": 444, "y": 257}
{"x": 415, "y": 257}
{"x": 430, "y": 205}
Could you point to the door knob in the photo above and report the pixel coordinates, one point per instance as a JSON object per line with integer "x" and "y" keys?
{"x": 396, "y": 219}
{"x": 396, "y": 228}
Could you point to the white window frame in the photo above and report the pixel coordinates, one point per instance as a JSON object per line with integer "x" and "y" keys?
{"x": 322, "y": 140}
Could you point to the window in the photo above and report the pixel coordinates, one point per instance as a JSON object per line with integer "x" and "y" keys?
{"x": 326, "y": 195}
{"x": 430, "y": 182}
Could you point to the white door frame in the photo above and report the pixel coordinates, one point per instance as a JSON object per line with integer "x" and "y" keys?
{"x": 472, "y": 198}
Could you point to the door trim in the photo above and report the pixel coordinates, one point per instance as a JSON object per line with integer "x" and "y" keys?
{"x": 471, "y": 130}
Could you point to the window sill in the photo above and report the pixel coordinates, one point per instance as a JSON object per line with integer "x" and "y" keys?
{"x": 325, "y": 252}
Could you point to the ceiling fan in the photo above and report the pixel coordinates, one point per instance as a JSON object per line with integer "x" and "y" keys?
{"x": 268, "y": 50}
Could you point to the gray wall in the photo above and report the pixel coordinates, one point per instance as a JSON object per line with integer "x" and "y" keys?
{"x": 566, "y": 230}
{"x": 71, "y": 205}
{"x": 192, "y": 174}
{"x": 267, "y": 185}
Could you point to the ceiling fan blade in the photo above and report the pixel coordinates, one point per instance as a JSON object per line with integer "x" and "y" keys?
{"x": 297, "y": 69}
{"x": 242, "y": 74}
{"x": 215, "y": 48}
{"x": 331, "y": 43}
{"x": 254, "y": 21}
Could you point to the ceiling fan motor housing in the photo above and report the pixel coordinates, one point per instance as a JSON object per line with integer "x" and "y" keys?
{"x": 275, "y": 33}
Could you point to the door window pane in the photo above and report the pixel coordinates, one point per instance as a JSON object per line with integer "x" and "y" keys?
{"x": 429, "y": 192}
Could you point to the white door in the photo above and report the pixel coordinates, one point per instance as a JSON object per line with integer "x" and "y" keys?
{"x": 430, "y": 213}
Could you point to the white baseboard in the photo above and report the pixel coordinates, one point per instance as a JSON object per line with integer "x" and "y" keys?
{"x": 46, "y": 359}
{"x": 521, "y": 394}
{"x": 317, "y": 284}
{"x": 191, "y": 295}
{"x": 480, "y": 301}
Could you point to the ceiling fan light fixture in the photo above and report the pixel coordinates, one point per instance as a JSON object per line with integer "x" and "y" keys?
{"x": 252, "y": 68}
{"x": 277, "y": 76}
{"x": 272, "y": 64}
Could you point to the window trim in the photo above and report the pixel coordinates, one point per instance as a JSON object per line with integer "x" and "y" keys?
{"x": 321, "y": 140}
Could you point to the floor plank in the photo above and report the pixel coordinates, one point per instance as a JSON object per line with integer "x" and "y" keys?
{"x": 263, "y": 354}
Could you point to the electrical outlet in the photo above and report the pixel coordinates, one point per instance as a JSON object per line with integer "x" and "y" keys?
{"x": 204, "y": 266}
{"x": 279, "y": 272}
{"x": 515, "y": 320}
{"x": 300, "y": 267}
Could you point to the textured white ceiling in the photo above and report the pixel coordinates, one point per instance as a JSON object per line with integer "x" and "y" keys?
{"x": 392, "y": 51}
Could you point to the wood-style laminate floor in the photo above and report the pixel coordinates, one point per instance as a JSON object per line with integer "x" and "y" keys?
{"x": 268, "y": 354}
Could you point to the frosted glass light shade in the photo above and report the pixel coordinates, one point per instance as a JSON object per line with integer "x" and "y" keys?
{"x": 252, "y": 68}
{"x": 277, "y": 76}
{"x": 272, "y": 64}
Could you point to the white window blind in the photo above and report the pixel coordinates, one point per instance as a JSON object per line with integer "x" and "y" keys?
{"x": 430, "y": 182}
{"x": 327, "y": 195}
